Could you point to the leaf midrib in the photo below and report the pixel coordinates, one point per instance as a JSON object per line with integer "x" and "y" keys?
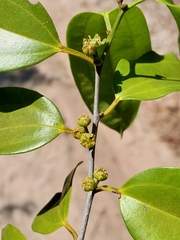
{"x": 33, "y": 18}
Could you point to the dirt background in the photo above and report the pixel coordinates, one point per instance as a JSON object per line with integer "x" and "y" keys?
{"x": 28, "y": 181}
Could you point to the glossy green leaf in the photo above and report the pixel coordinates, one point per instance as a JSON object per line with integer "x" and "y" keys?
{"x": 175, "y": 10}
{"x": 28, "y": 120}
{"x": 131, "y": 41}
{"x": 54, "y": 214}
{"x": 27, "y": 34}
{"x": 149, "y": 204}
{"x": 150, "y": 77}
{"x": 135, "y": 2}
{"x": 12, "y": 233}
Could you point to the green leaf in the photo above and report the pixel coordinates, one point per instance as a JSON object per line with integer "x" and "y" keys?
{"x": 135, "y": 2}
{"x": 27, "y": 34}
{"x": 175, "y": 10}
{"x": 28, "y": 120}
{"x": 10, "y": 232}
{"x": 131, "y": 41}
{"x": 150, "y": 204}
{"x": 54, "y": 214}
{"x": 150, "y": 77}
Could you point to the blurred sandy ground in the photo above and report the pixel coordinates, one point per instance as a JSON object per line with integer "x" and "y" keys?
{"x": 28, "y": 181}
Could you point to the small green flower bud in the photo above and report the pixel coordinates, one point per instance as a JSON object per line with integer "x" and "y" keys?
{"x": 88, "y": 184}
{"x": 89, "y": 50}
{"x": 100, "y": 174}
{"x": 96, "y": 40}
{"x": 87, "y": 140}
{"x": 77, "y": 132}
{"x": 90, "y": 44}
{"x": 83, "y": 120}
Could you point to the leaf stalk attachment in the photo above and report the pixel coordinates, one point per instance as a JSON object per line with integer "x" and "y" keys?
{"x": 106, "y": 188}
{"x": 71, "y": 230}
{"x": 75, "y": 53}
{"x": 110, "y": 108}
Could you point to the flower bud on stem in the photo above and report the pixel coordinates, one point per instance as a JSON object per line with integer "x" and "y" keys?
{"x": 77, "y": 132}
{"x": 87, "y": 140}
{"x": 83, "y": 120}
{"x": 100, "y": 174}
{"x": 89, "y": 184}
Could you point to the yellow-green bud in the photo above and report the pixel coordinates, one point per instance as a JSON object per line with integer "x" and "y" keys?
{"x": 83, "y": 120}
{"x": 100, "y": 174}
{"x": 77, "y": 132}
{"x": 89, "y": 50}
{"x": 87, "y": 140}
{"x": 90, "y": 44}
{"x": 88, "y": 184}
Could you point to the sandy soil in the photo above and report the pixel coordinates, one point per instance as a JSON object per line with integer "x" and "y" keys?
{"x": 28, "y": 181}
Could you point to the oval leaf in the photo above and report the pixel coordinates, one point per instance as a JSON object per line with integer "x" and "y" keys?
{"x": 131, "y": 40}
{"x": 10, "y": 232}
{"x": 150, "y": 204}
{"x": 175, "y": 10}
{"x": 150, "y": 77}
{"x": 28, "y": 120}
{"x": 54, "y": 214}
{"x": 27, "y": 34}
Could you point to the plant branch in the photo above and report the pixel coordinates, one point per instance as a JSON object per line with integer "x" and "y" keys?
{"x": 90, "y": 195}
{"x": 113, "y": 31}
{"x": 122, "y": 9}
{"x": 96, "y": 119}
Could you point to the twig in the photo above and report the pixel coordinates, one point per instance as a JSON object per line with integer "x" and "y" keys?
{"x": 90, "y": 195}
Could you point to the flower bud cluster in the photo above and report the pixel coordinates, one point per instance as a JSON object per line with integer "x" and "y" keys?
{"x": 90, "y": 184}
{"x": 90, "y": 44}
{"x": 86, "y": 139}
